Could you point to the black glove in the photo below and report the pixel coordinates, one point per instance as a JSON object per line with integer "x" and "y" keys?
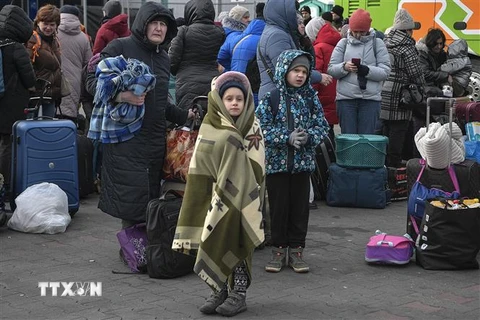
{"x": 363, "y": 70}
{"x": 362, "y": 82}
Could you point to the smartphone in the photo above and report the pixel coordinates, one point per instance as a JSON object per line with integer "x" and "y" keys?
{"x": 356, "y": 61}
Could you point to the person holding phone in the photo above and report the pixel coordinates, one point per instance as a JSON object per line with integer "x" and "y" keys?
{"x": 361, "y": 64}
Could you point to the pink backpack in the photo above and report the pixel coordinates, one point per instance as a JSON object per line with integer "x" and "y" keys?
{"x": 387, "y": 249}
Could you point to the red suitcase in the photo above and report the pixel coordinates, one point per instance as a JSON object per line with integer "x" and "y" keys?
{"x": 467, "y": 112}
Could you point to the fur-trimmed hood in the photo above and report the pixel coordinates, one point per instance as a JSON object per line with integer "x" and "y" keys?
{"x": 233, "y": 25}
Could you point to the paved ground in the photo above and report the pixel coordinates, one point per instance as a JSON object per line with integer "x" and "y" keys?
{"x": 340, "y": 285}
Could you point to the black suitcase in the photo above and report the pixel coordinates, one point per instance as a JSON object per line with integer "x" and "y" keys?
{"x": 325, "y": 155}
{"x": 85, "y": 166}
{"x": 161, "y": 222}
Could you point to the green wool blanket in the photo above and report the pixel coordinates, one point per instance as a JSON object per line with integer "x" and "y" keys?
{"x": 221, "y": 216}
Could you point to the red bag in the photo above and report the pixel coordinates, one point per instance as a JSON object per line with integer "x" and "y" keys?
{"x": 467, "y": 112}
{"x": 180, "y": 147}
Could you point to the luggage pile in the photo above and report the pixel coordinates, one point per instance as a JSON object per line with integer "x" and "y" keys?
{"x": 359, "y": 177}
{"x": 447, "y": 235}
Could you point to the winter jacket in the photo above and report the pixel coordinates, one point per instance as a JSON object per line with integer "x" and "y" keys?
{"x": 280, "y": 34}
{"x": 75, "y": 53}
{"x": 458, "y": 63}
{"x": 233, "y": 31}
{"x": 306, "y": 112}
{"x": 132, "y": 170}
{"x": 193, "y": 52}
{"x": 46, "y": 60}
{"x": 327, "y": 39}
{"x": 18, "y": 74}
{"x": 246, "y": 48}
{"x": 430, "y": 64}
{"x": 405, "y": 70}
{"x": 378, "y": 63}
{"x": 114, "y": 28}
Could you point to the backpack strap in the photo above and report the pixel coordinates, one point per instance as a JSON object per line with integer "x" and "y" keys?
{"x": 275, "y": 101}
{"x": 265, "y": 64}
{"x": 36, "y": 46}
{"x": 241, "y": 40}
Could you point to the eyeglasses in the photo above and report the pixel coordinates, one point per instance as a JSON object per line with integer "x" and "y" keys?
{"x": 440, "y": 44}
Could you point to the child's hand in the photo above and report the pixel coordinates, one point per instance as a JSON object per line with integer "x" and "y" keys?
{"x": 294, "y": 139}
{"x": 303, "y": 137}
{"x": 130, "y": 98}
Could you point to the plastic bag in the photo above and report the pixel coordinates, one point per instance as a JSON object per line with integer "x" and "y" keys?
{"x": 41, "y": 208}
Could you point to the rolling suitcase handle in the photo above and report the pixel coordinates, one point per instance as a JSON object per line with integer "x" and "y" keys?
{"x": 450, "y": 104}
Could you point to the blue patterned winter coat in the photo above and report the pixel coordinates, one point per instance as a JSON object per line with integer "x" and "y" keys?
{"x": 306, "y": 113}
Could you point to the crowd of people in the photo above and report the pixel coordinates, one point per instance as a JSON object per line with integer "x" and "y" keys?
{"x": 277, "y": 85}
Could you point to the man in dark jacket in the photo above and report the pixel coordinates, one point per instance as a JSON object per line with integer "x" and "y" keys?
{"x": 15, "y": 29}
{"x": 132, "y": 170}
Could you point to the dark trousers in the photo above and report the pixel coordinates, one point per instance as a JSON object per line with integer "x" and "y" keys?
{"x": 396, "y": 131}
{"x": 288, "y": 198}
{"x": 5, "y": 158}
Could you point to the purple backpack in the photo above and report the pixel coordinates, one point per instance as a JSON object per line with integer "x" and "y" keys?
{"x": 133, "y": 241}
{"x": 387, "y": 249}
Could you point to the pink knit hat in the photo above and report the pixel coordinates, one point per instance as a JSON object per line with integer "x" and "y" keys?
{"x": 360, "y": 20}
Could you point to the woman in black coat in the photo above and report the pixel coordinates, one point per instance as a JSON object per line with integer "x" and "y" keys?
{"x": 193, "y": 52}
{"x": 131, "y": 170}
{"x": 18, "y": 75}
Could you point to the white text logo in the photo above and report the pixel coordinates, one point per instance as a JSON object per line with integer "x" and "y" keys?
{"x": 70, "y": 289}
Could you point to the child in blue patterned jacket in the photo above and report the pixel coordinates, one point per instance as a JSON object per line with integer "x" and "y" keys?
{"x": 293, "y": 124}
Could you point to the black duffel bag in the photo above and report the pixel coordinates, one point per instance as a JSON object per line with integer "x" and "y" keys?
{"x": 161, "y": 222}
{"x": 449, "y": 238}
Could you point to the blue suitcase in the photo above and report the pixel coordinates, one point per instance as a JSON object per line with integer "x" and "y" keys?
{"x": 359, "y": 188}
{"x": 45, "y": 151}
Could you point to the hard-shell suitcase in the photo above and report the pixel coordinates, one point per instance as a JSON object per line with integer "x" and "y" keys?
{"x": 467, "y": 112}
{"x": 85, "y": 166}
{"x": 45, "y": 151}
{"x": 325, "y": 155}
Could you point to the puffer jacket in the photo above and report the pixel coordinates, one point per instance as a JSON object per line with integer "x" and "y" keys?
{"x": 75, "y": 52}
{"x": 46, "y": 62}
{"x": 246, "y": 48}
{"x": 378, "y": 61}
{"x": 327, "y": 39}
{"x": 458, "y": 63}
{"x": 114, "y": 28}
{"x": 18, "y": 74}
{"x": 306, "y": 112}
{"x": 193, "y": 52}
{"x": 132, "y": 170}
{"x": 405, "y": 70}
{"x": 280, "y": 33}
{"x": 430, "y": 64}
{"x": 233, "y": 31}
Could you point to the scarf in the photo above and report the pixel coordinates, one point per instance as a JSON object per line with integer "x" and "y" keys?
{"x": 221, "y": 216}
{"x": 117, "y": 122}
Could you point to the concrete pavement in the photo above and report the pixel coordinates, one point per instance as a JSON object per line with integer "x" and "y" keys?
{"x": 340, "y": 284}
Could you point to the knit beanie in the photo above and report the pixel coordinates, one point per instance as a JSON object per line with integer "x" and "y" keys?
{"x": 327, "y": 16}
{"x": 70, "y": 9}
{"x": 338, "y": 10}
{"x": 259, "y": 9}
{"x": 313, "y": 27}
{"x": 300, "y": 61}
{"x": 112, "y": 8}
{"x": 306, "y": 9}
{"x": 360, "y": 20}
{"x": 403, "y": 20}
{"x": 232, "y": 84}
{"x": 238, "y": 12}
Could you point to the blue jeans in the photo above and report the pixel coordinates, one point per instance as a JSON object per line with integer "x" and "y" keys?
{"x": 358, "y": 115}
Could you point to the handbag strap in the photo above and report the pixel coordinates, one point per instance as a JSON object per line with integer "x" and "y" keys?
{"x": 451, "y": 173}
{"x": 265, "y": 64}
{"x": 414, "y": 224}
